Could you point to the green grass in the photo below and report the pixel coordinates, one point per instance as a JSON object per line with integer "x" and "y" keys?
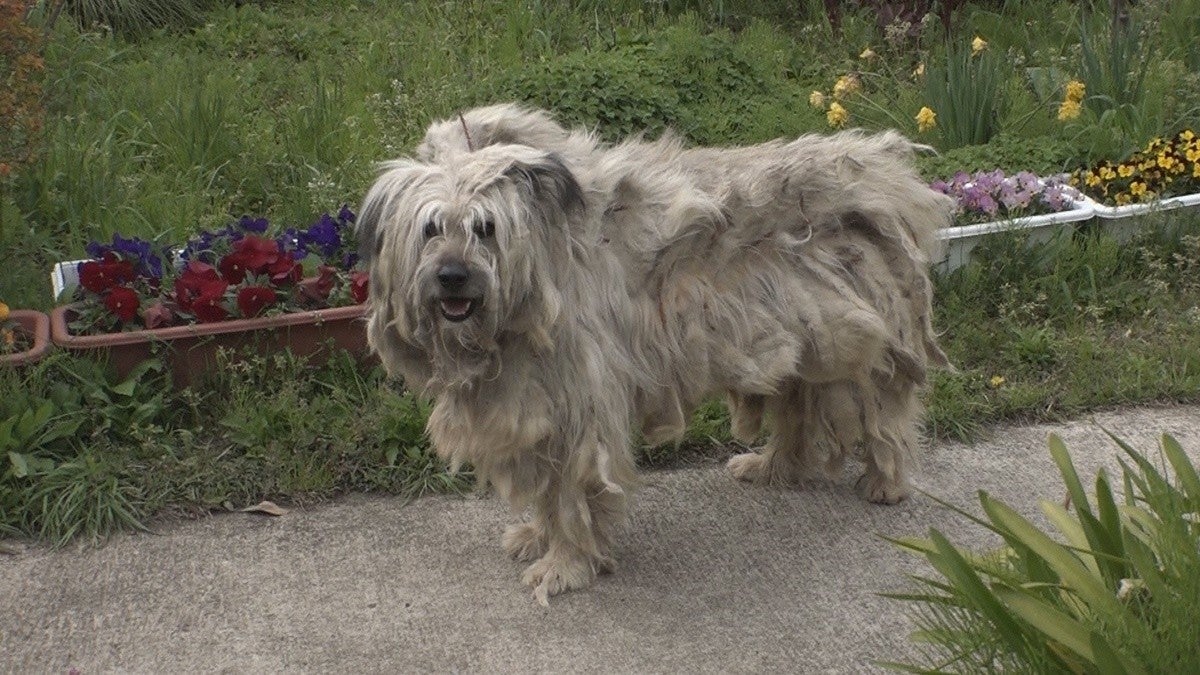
{"x": 282, "y": 109}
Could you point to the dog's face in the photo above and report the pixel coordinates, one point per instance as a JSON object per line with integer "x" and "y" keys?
{"x": 465, "y": 250}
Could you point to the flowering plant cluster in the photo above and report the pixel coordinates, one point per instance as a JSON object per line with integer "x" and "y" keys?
{"x": 240, "y": 271}
{"x": 11, "y": 339}
{"x": 991, "y": 195}
{"x": 1166, "y": 167}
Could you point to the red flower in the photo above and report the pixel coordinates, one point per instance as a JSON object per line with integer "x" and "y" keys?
{"x": 123, "y": 302}
{"x": 257, "y": 253}
{"x": 359, "y": 286}
{"x": 285, "y": 271}
{"x": 252, "y": 300}
{"x": 234, "y": 267}
{"x": 188, "y": 284}
{"x": 207, "y": 305}
{"x": 317, "y": 288}
{"x": 99, "y": 276}
{"x": 157, "y": 315}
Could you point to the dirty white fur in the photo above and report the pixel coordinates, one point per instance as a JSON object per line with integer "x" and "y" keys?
{"x": 623, "y": 285}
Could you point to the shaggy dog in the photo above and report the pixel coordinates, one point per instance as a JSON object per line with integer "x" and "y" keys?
{"x": 550, "y": 292}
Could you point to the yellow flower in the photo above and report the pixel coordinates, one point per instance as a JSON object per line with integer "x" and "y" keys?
{"x": 1137, "y": 188}
{"x": 846, "y": 84}
{"x": 1069, "y": 110}
{"x": 996, "y": 381}
{"x": 1186, "y": 135}
{"x": 978, "y": 45}
{"x": 3, "y": 312}
{"x": 1076, "y": 90}
{"x": 1107, "y": 173}
{"x": 1124, "y": 171}
{"x": 1167, "y": 161}
{"x": 926, "y": 119}
{"x": 920, "y": 71}
{"x": 1123, "y": 198}
{"x": 867, "y": 54}
{"x": 1193, "y": 155}
{"x": 837, "y": 115}
{"x": 10, "y": 338}
{"x": 1196, "y": 170}
{"x": 817, "y": 99}
{"x": 1093, "y": 179}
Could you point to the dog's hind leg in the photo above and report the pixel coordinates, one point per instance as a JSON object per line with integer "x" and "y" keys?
{"x": 745, "y": 415}
{"x": 891, "y": 447}
{"x": 525, "y": 542}
{"x": 785, "y": 458}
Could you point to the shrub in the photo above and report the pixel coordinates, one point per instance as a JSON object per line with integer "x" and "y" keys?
{"x": 1118, "y": 595}
{"x": 21, "y": 73}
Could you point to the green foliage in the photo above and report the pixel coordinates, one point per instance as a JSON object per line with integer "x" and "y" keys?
{"x": 135, "y": 18}
{"x": 710, "y": 87}
{"x": 1117, "y": 595}
{"x": 1011, "y": 152}
{"x": 966, "y": 91}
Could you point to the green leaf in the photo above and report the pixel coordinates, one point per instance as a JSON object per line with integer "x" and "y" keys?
{"x": 1050, "y": 621}
{"x": 1062, "y": 458}
{"x": 1071, "y": 529}
{"x": 951, "y": 564}
{"x": 1073, "y": 573}
{"x": 1184, "y": 469}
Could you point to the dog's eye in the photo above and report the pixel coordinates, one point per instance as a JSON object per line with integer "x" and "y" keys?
{"x": 485, "y": 230}
{"x": 431, "y": 230}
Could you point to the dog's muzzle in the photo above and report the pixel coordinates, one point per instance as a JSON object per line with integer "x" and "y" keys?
{"x": 455, "y": 304}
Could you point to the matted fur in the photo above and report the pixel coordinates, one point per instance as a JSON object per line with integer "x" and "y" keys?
{"x": 623, "y": 285}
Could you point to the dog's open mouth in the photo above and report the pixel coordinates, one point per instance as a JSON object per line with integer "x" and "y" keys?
{"x": 457, "y": 309}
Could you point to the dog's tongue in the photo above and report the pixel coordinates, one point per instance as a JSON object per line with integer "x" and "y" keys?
{"x": 456, "y": 306}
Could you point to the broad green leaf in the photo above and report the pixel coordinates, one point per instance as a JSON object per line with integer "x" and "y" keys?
{"x": 1108, "y": 661}
{"x": 1049, "y": 621}
{"x": 1073, "y": 573}
{"x": 1071, "y": 529}
{"x": 947, "y": 560}
{"x": 1062, "y": 458}
{"x": 1184, "y": 469}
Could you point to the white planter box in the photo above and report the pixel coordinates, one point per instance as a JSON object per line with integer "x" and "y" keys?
{"x": 961, "y": 240}
{"x": 64, "y": 275}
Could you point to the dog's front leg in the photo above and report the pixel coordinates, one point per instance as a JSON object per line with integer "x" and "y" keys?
{"x": 576, "y": 522}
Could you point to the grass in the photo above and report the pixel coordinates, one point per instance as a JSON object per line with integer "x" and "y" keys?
{"x": 281, "y": 109}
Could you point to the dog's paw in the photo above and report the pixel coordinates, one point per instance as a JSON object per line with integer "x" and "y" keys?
{"x": 748, "y": 466}
{"x": 524, "y": 542}
{"x": 878, "y": 489}
{"x": 554, "y": 574}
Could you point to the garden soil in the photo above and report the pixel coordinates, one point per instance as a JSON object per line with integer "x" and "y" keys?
{"x": 714, "y": 576}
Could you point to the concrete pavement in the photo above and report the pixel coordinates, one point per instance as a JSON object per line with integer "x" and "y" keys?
{"x": 714, "y": 576}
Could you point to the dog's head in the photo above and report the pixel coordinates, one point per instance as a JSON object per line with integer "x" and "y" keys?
{"x": 467, "y": 251}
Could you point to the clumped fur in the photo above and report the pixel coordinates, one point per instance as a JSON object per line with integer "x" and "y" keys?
{"x": 614, "y": 286}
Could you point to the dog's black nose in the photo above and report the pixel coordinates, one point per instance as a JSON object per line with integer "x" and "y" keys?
{"x": 452, "y": 276}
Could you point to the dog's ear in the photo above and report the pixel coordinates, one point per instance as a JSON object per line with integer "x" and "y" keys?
{"x": 550, "y": 184}
{"x": 396, "y": 177}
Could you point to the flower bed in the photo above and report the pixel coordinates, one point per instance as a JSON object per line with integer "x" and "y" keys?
{"x": 990, "y": 196}
{"x": 1166, "y": 174}
{"x": 24, "y": 336}
{"x": 239, "y": 289}
{"x": 239, "y": 272}
{"x": 990, "y": 202}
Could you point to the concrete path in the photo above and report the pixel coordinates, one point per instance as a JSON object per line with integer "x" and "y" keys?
{"x": 714, "y": 576}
